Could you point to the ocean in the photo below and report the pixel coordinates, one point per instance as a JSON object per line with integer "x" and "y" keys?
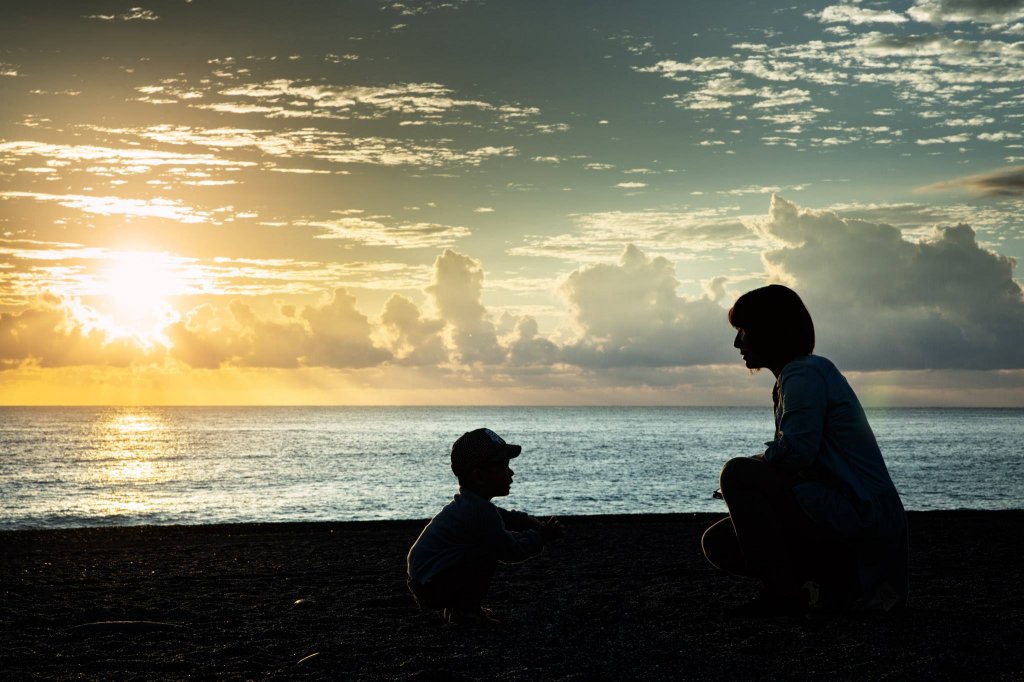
{"x": 78, "y": 467}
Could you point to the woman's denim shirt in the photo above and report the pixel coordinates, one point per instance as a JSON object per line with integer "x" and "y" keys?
{"x": 822, "y": 435}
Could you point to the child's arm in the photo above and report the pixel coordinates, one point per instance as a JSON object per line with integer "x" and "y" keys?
{"x": 508, "y": 546}
{"x": 517, "y": 520}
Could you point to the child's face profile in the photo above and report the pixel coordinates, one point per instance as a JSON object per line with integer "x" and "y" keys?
{"x": 494, "y": 480}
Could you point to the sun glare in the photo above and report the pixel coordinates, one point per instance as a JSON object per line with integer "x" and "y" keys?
{"x": 135, "y": 287}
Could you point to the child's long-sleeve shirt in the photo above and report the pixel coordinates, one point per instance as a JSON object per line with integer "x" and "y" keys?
{"x": 470, "y": 523}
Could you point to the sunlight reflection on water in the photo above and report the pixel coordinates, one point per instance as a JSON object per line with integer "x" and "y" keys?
{"x": 128, "y": 446}
{"x": 66, "y": 467}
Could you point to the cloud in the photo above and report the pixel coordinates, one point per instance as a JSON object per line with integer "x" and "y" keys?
{"x": 629, "y": 315}
{"x": 973, "y": 121}
{"x": 374, "y": 231}
{"x": 1008, "y": 182}
{"x": 856, "y": 15}
{"x": 1000, "y": 136}
{"x": 930, "y": 73}
{"x": 599, "y": 237}
{"x": 411, "y": 9}
{"x": 906, "y": 216}
{"x": 56, "y": 331}
{"x": 527, "y": 348}
{"x": 202, "y": 341}
{"x": 331, "y": 146}
{"x": 128, "y": 160}
{"x": 340, "y": 334}
{"x": 264, "y": 343}
{"x": 953, "y": 51}
{"x": 405, "y": 98}
{"x": 671, "y": 68}
{"x": 771, "y": 98}
{"x": 948, "y": 139}
{"x": 456, "y": 292}
{"x": 413, "y": 338}
{"x": 133, "y": 14}
{"x": 980, "y": 11}
{"x": 332, "y": 334}
{"x": 757, "y": 189}
{"x": 75, "y": 270}
{"x": 882, "y": 302}
{"x": 883, "y": 298}
{"x": 411, "y": 104}
{"x": 171, "y": 209}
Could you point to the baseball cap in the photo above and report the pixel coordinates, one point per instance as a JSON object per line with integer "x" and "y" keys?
{"x": 481, "y": 447}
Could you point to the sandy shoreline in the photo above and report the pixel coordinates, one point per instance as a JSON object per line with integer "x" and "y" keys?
{"x": 620, "y": 597}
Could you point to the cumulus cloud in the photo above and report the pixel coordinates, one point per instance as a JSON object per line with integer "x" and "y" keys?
{"x": 629, "y": 314}
{"x": 882, "y": 299}
{"x": 332, "y": 334}
{"x": 413, "y": 338}
{"x": 340, "y": 335}
{"x": 55, "y": 331}
{"x": 882, "y": 302}
{"x": 456, "y": 292}
{"x": 526, "y": 346}
{"x": 1008, "y": 182}
{"x": 202, "y": 341}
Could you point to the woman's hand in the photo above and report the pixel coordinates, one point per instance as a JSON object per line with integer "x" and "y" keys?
{"x": 551, "y": 529}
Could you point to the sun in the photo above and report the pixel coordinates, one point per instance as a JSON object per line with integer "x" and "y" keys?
{"x": 135, "y": 287}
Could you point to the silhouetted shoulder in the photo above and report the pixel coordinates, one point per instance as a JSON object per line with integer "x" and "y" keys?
{"x": 837, "y": 386}
{"x": 816, "y": 362}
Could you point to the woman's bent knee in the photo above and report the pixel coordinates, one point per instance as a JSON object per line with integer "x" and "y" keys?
{"x": 740, "y": 472}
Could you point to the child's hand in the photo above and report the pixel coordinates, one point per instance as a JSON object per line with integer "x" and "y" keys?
{"x": 551, "y": 529}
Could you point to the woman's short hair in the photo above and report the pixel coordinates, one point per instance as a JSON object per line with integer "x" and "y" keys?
{"x": 777, "y": 319}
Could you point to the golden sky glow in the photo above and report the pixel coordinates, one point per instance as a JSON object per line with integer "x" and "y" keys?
{"x": 558, "y": 207}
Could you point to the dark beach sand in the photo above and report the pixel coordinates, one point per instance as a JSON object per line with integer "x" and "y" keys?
{"x": 622, "y": 597}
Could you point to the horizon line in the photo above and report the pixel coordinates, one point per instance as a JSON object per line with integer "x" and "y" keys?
{"x": 481, "y": 405}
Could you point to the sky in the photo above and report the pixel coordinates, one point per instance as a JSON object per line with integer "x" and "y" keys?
{"x": 491, "y": 202}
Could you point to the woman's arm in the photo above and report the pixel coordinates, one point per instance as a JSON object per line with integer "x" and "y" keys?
{"x": 803, "y": 402}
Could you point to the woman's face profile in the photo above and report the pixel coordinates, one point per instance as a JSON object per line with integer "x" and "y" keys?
{"x": 748, "y": 349}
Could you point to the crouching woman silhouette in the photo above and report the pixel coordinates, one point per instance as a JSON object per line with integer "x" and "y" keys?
{"x": 816, "y": 517}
